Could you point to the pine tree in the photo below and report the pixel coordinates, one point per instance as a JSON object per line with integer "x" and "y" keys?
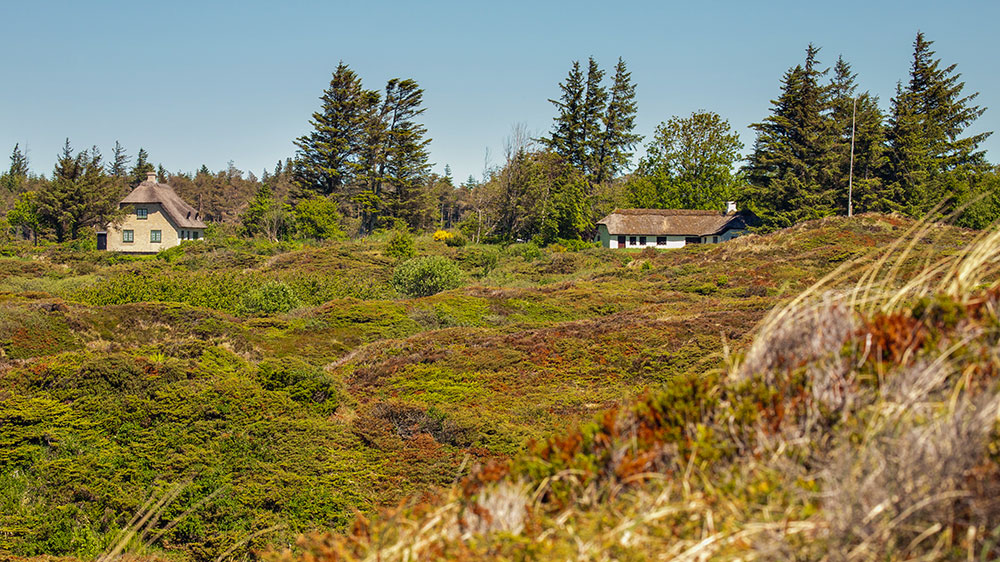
{"x": 928, "y": 156}
{"x": 792, "y": 167}
{"x": 327, "y": 158}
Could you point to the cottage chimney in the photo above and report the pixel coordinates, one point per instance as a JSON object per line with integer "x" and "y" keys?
{"x": 730, "y": 207}
{"x": 151, "y": 177}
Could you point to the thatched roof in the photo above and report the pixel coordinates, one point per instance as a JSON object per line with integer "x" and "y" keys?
{"x": 148, "y": 192}
{"x": 674, "y": 222}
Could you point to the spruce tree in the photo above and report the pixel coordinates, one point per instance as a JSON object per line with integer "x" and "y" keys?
{"x": 569, "y": 132}
{"x": 595, "y": 103}
{"x": 118, "y": 166}
{"x": 327, "y": 158}
{"x": 929, "y": 158}
{"x": 791, "y": 169}
{"x": 857, "y": 114}
{"x": 617, "y": 138}
{"x": 17, "y": 173}
{"x": 141, "y": 168}
{"x": 406, "y": 151}
{"x": 79, "y": 194}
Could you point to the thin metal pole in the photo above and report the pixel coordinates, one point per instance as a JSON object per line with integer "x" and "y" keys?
{"x": 850, "y": 178}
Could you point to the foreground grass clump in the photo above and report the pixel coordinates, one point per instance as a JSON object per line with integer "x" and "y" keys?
{"x": 862, "y": 423}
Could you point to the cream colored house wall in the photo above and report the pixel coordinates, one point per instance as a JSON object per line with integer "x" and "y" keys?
{"x": 156, "y": 220}
{"x": 671, "y": 242}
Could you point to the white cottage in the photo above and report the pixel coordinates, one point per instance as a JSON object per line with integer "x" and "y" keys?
{"x": 671, "y": 228}
{"x": 157, "y": 218}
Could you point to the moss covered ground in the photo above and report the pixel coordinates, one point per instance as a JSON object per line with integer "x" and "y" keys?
{"x": 238, "y": 418}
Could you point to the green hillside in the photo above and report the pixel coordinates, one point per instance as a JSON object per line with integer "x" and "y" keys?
{"x": 241, "y": 394}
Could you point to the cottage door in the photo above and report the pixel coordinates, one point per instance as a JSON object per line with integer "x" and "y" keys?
{"x": 102, "y": 240}
{"x": 621, "y": 241}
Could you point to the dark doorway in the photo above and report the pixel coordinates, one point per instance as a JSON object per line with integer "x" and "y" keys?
{"x": 621, "y": 241}
{"x": 102, "y": 240}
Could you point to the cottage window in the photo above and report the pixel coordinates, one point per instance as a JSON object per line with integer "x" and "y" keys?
{"x": 195, "y": 235}
{"x": 631, "y": 240}
{"x": 642, "y": 240}
{"x": 661, "y": 240}
{"x": 692, "y": 240}
{"x": 154, "y": 236}
{"x": 715, "y": 239}
{"x": 142, "y": 214}
{"x": 128, "y": 236}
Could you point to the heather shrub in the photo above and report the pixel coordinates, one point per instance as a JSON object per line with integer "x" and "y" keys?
{"x": 421, "y": 277}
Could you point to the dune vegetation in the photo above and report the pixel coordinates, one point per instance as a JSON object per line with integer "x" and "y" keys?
{"x": 828, "y": 390}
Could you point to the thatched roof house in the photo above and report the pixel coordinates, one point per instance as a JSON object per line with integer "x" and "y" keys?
{"x": 671, "y": 228}
{"x": 158, "y": 218}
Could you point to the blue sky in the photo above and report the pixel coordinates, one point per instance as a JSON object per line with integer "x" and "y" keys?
{"x": 208, "y": 82}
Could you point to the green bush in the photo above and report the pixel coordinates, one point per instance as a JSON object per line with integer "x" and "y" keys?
{"x": 421, "y": 277}
{"x": 303, "y": 382}
{"x": 272, "y": 297}
{"x": 456, "y": 241}
{"x": 528, "y": 252}
{"x": 484, "y": 258}
{"x": 400, "y": 245}
{"x": 575, "y": 244}
{"x": 318, "y": 218}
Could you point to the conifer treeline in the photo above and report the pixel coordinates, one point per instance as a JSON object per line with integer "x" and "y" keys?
{"x": 915, "y": 160}
{"x": 364, "y": 163}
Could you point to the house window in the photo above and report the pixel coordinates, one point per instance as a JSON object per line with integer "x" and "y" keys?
{"x": 631, "y": 240}
{"x": 642, "y": 240}
{"x": 128, "y": 236}
{"x": 142, "y": 214}
{"x": 154, "y": 235}
{"x": 184, "y": 235}
{"x": 661, "y": 240}
{"x": 692, "y": 240}
{"x": 715, "y": 239}
{"x": 195, "y": 235}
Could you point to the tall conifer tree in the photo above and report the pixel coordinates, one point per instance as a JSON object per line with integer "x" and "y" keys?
{"x": 595, "y": 104}
{"x": 791, "y": 168}
{"x": 928, "y": 154}
{"x": 865, "y": 120}
{"x": 618, "y": 139}
{"x": 568, "y": 137}
{"x": 327, "y": 158}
